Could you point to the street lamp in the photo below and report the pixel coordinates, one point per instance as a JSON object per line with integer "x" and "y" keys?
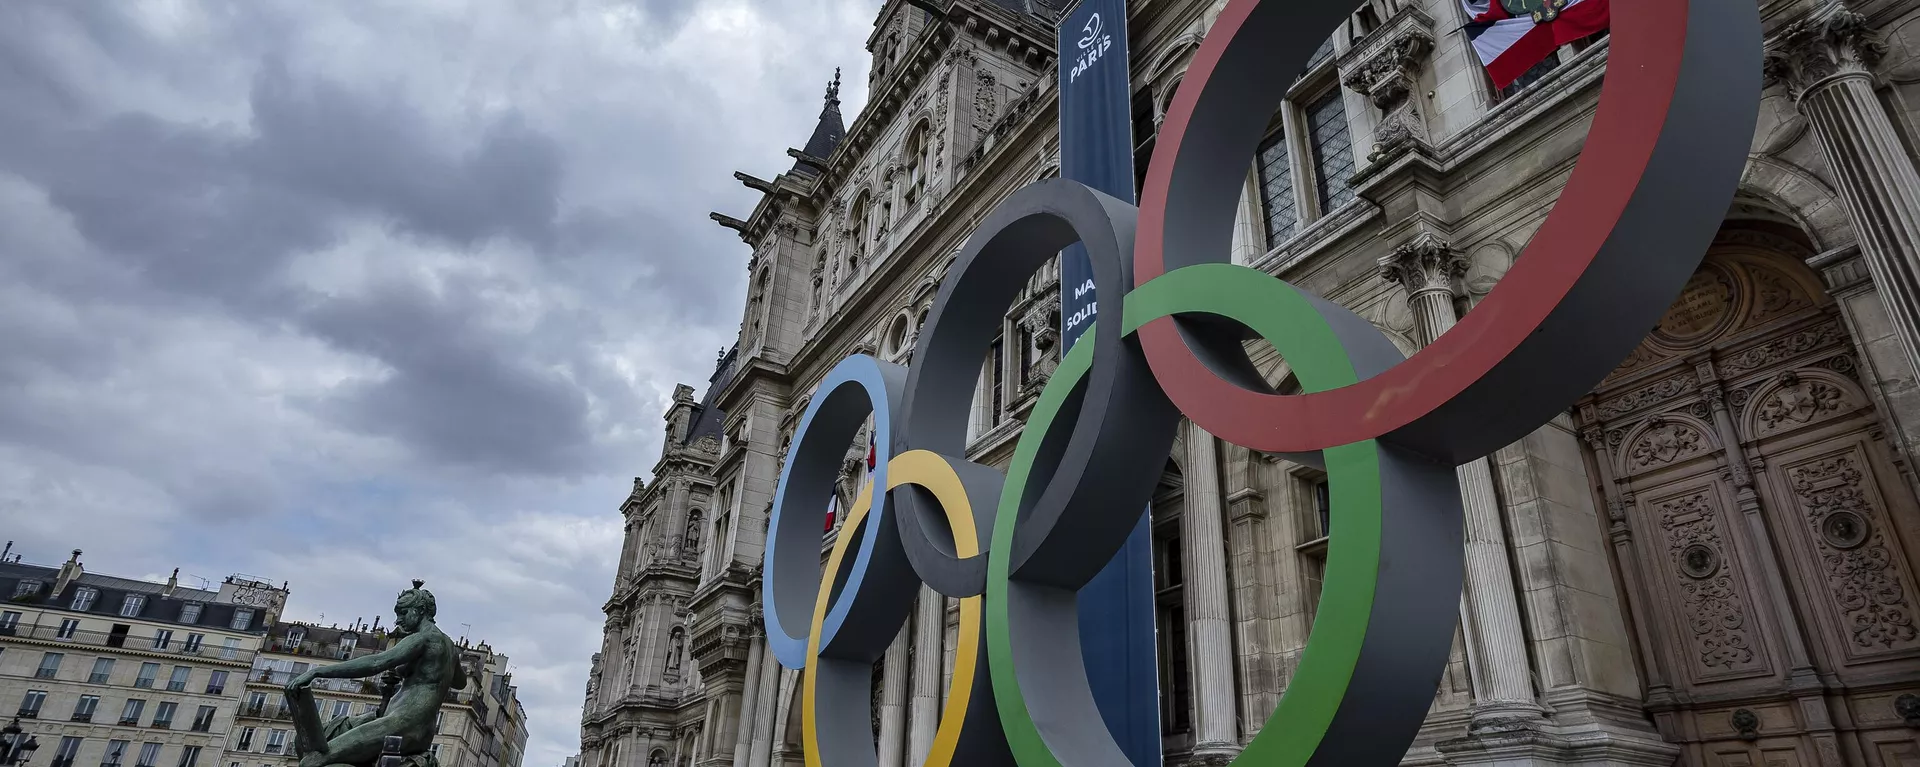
{"x": 15, "y": 747}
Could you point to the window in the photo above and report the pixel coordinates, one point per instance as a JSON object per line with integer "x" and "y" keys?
{"x": 26, "y": 589}
{"x": 162, "y": 638}
{"x": 1323, "y": 507}
{"x": 178, "y": 682}
{"x": 203, "y": 719}
{"x": 217, "y": 683}
{"x": 256, "y": 702}
{"x": 296, "y": 635}
{"x": 369, "y": 708}
{"x": 1146, "y": 129}
{"x": 116, "y": 751}
{"x": 149, "y": 755}
{"x": 147, "y": 672}
{"x": 435, "y": 750}
{"x": 230, "y": 648}
{"x": 49, "y": 665}
{"x": 1276, "y": 189}
{"x": 9, "y": 620}
{"x": 1332, "y": 151}
{"x": 102, "y": 669}
{"x": 342, "y": 708}
{"x": 193, "y": 643}
{"x": 189, "y": 756}
{"x": 31, "y": 702}
{"x": 242, "y": 619}
{"x": 68, "y": 627}
{"x": 438, "y": 718}
{"x": 996, "y": 379}
{"x": 348, "y": 642}
{"x": 69, "y": 747}
{"x": 1176, "y": 693}
{"x": 919, "y": 162}
{"x": 132, "y": 605}
{"x": 83, "y": 708}
{"x": 163, "y": 714}
{"x": 130, "y": 714}
{"x": 246, "y": 739}
{"x": 276, "y": 741}
{"x": 84, "y": 597}
{"x": 190, "y": 613}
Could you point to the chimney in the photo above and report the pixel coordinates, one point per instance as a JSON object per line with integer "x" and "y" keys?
{"x": 9, "y": 549}
{"x": 69, "y": 572}
{"x": 173, "y": 582}
{"x": 376, "y": 623}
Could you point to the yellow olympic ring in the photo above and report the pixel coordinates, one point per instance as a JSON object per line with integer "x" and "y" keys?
{"x": 931, "y": 472}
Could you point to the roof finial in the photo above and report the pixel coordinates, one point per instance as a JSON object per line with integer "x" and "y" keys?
{"x": 833, "y": 88}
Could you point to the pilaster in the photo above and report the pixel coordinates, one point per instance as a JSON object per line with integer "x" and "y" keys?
{"x": 893, "y": 701}
{"x": 923, "y": 710}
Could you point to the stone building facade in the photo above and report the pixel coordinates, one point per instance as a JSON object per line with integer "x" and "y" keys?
{"x": 1709, "y": 560}
{"x": 120, "y": 672}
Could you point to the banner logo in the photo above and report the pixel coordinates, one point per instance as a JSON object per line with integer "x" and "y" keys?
{"x": 1014, "y": 546}
{"x": 1093, "y": 44}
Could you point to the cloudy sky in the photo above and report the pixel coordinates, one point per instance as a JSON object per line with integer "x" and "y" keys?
{"x": 348, "y": 293}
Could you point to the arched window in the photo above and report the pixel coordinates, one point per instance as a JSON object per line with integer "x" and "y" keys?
{"x": 919, "y": 159}
{"x": 857, "y": 233}
{"x": 658, "y": 759}
{"x": 691, "y": 545}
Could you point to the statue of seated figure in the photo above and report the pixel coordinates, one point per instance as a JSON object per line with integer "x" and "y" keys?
{"x": 416, "y": 674}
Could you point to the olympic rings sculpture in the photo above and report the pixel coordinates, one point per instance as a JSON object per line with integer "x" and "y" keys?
{"x": 1662, "y": 160}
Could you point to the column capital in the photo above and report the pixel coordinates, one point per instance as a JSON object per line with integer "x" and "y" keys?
{"x": 1426, "y": 263}
{"x": 1833, "y": 40}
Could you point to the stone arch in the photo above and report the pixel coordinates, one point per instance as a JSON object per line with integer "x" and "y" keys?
{"x": 1172, "y": 56}
{"x": 1803, "y": 396}
{"x": 1755, "y": 274}
{"x": 1778, "y": 188}
{"x": 1668, "y": 439}
{"x": 897, "y": 341}
{"x": 790, "y": 736}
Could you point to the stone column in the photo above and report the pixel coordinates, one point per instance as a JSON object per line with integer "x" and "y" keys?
{"x": 749, "y": 700}
{"x": 923, "y": 710}
{"x": 763, "y": 717}
{"x": 893, "y": 701}
{"x": 1429, "y": 268}
{"x": 1209, "y": 630}
{"x": 1826, "y": 62}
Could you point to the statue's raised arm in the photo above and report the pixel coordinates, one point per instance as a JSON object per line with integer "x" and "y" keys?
{"x": 427, "y": 665}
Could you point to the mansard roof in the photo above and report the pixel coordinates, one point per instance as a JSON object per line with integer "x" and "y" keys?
{"x": 707, "y": 416}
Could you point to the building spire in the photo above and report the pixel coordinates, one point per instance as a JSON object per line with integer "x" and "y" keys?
{"x": 830, "y": 130}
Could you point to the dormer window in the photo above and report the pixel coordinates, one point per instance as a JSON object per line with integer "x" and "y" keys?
{"x": 83, "y": 598}
{"x": 190, "y": 613}
{"x": 26, "y": 589}
{"x": 297, "y": 635}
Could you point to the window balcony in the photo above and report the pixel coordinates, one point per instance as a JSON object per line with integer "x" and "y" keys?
{"x": 82, "y": 717}
{"x": 97, "y": 678}
{"x": 159, "y": 725}
{"x": 29, "y": 713}
{"x": 176, "y": 687}
{"x": 45, "y": 673}
{"x": 131, "y": 721}
{"x": 143, "y": 683}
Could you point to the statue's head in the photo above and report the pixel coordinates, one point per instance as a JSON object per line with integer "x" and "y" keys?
{"x": 414, "y": 607}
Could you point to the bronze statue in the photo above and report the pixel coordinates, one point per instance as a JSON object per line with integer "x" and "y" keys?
{"x": 416, "y": 674}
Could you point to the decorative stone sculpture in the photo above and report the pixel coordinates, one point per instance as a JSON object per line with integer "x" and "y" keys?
{"x": 416, "y": 674}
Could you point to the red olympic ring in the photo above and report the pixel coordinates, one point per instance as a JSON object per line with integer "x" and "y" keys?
{"x": 1660, "y": 162}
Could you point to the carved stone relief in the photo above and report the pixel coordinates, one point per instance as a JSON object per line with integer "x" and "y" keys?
{"x": 1666, "y": 441}
{"x": 1739, "y": 286}
{"x": 1869, "y": 587}
{"x": 1713, "y": 609}
{"x": 1797, "y": 402}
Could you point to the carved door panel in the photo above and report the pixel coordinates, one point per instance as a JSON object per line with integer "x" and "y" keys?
{"x": 1892, "y": 748}
{"x": 1835, "y": 506}
{"x": 1768, "y": 752}
{"x": 1702, "y": 579}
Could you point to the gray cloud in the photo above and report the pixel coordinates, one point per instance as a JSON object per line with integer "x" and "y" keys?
{"x": 349, "y": 294}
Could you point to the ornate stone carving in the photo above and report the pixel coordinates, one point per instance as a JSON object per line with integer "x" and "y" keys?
{"x": 1867, "y": 586}
{"x": 1665, "y": 442}
{"x": 985, "y": 105}
{"x": 1832, "y": 41}
{"x": 1774, "y": 295}
{"x": 1712, "y": 606}
{"x": 1907, "y": 707}
{"x": 1646, "y": 396}
{"x": 1428, "y": 262}
{"x": 1385, "y": 67}
{"x": 1779, "y": 349}
{"x": 1799, "y": 402}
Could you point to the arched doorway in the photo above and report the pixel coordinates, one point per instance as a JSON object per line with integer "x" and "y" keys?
{"x": 1757, "y": 521}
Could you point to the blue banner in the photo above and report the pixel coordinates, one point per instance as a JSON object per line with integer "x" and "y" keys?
{"x": 1096, "y": 149}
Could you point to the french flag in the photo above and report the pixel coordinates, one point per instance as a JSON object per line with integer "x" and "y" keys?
{"x": 865, "y": 477}
{"x": 1509, "y": 45}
